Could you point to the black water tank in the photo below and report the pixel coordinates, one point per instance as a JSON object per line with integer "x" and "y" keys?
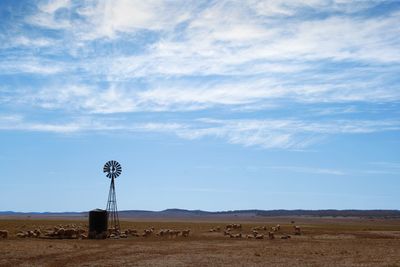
{"x": 98, "y": 223}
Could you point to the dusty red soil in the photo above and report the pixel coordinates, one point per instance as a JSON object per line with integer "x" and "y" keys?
{"x": 324, "y": 242}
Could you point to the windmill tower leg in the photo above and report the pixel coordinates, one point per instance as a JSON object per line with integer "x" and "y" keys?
{"x": 112, "y": 209}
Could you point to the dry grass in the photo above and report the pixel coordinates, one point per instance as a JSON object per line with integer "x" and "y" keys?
{"x": 325, "y": 242}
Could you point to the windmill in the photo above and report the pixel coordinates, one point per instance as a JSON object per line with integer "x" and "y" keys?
{"x": 113, "y": 170}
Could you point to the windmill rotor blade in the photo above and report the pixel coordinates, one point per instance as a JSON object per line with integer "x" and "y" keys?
{"x": 112, "y": 168}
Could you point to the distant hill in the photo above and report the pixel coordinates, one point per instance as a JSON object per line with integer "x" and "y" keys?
{"x": 181, "y": 213}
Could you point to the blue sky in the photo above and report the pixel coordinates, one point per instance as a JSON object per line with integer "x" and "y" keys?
{"x": 212, "y": 105}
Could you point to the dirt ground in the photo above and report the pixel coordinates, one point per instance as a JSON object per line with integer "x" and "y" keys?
{"x": 324, "y": 242}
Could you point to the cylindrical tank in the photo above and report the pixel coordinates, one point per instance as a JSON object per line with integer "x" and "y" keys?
{"x": 98, "y": 223}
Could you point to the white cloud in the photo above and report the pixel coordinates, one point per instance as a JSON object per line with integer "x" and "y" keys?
{"x": 310, "y": 170}
{"x": 31, "y": 42}
{"x": 30, "y": 65}
{"x": 267, "y": 134}
{"x": 81, "y": 97}
{"x": 20, "y": 123}
{"x": 51, "y": 6}
{"x": 226, "y": 31}
{"x": 47, "y": 15}
{"x": 242, "y": 56}
{"x": 243, "y": 94}
{"x": 293, "y": 7}
{"x": 287, "y": 134}
{"x": 108, "y": 19}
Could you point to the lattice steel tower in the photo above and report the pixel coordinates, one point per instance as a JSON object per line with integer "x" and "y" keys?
{"x": 113, "y": 170}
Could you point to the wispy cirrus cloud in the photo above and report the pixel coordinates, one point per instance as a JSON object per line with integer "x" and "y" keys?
{"x": 242, "y": 58}
{"x": 30, "y": 66}
{"x": 280, "y": 134}
{"x": 311, "y": 170}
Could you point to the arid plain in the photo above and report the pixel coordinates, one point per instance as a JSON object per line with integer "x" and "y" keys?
{"x": 323, "y": 242}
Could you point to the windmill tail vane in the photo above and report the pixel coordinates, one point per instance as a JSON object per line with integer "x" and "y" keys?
{"x": 112, "y": 169}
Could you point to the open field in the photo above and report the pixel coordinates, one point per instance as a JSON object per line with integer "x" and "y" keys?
{"x": 323, "y": 242}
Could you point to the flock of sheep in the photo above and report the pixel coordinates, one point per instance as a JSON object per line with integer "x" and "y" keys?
{"x": 77, "y": 232}
{"x": 169, "y": 233}
{"x": 235, "y": 231}
{"x": 73, "y": 231}
{"x": 61, "y": 231}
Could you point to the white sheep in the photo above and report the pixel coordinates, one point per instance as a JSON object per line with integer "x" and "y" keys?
{"x": 185, "y": 233}
{"x": 297, "y": 230}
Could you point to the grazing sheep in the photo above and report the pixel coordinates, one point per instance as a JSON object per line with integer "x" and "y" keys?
{"x": 239, "y": 235}
{"x": 278, "y": 227}
{"x": 233, "y": 226}
{"x": 71, "y": 233}
{"x": 4, "y": 234}
{"x": 49, "y": 233}
{"x": 260, "y": 228}
{"x": 271, "y": 235}
{"x": 249, "y": 236}
{"x": 37, "y": 232}
{"x": 229, "y": 227}
{"x": 114, "y": 231}
{"x": 130, "y": 231}
{"x": 31, "y": 234}
{"x": 147, "y": 232}
{"x": 21, "y": 235}
{"x": 81, "y": 231}
{"x": 259, "y": 236}
{"x": 161, "y": 233}
{"x": 185, "y": 233}
{"x": 217, "y": 229}
{"x": 297, "y": 230}
{"x": 60, "y": 232}
{"x": 237, "y": 226}
{"x": 173, "y": 233}
{"x": 123, "y": 235}
{"x": 227, "y": 232}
